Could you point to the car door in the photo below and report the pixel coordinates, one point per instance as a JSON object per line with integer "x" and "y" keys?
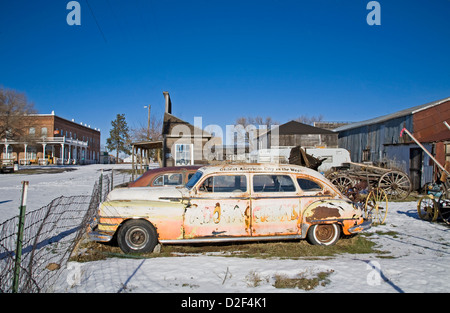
{"x": 312, "y": 189}
{"x": 275, "y": 205}
{"x": 220, "y": 207}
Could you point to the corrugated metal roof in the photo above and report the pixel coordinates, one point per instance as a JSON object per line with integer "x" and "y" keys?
{"x": 391, "y": 116}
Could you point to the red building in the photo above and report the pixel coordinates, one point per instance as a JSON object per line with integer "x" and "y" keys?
{"x": 51, "y": 139}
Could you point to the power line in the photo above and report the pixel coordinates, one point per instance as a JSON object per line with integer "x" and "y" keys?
{"x": 96, "y": 22}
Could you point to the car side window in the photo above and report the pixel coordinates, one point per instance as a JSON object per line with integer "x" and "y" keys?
{"x": 168, "y": 180}
{"x": 173, "y": 179}
{"x": 158, "y": 181}
{"x": 224, "y": 183}
{"x": 308, "y": 185}
{"x": 273, "y": 183}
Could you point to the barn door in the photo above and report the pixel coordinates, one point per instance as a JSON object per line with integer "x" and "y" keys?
{"x": 415, "y": 167}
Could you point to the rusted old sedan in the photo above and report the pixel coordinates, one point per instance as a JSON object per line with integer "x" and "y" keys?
{"x": 230, "y": 203}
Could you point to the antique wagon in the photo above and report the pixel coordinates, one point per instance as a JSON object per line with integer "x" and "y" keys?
{"x": 395, "y": 183}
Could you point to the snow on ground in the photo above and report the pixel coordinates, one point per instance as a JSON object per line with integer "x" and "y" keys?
{"x": 45, "y": 187}
{"x": 418, "y": 258}
{"x": 419, "y": 261}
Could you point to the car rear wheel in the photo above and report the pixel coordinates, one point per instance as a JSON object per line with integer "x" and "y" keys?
{"x": 324, "y": 234}
{"x": 137, "y": 236}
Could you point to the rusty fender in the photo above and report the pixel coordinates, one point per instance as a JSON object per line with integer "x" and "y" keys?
{"x": 338, "y": 211}
{"x": 167, "y": 217}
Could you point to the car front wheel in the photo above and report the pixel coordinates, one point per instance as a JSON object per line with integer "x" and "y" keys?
{"x": 137, "y": 236}
{"x": 324, "y": 234}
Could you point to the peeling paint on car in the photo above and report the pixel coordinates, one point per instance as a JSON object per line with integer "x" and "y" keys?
{"x": 229, "y": 212}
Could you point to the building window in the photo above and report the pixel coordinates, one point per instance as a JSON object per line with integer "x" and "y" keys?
{"x": 8, "y": 153}
{"x": 31, "y": 153}
{"x": 32, "y": 131}
{"x": 44, "y": 131}
{"x": 184, "y": 154}
{"x": 366, "y": 155}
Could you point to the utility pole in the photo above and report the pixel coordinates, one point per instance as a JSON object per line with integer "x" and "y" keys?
{"x": 148, "y": 121}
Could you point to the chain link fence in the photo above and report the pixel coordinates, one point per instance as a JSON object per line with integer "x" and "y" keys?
{"x": 50, "y": 235}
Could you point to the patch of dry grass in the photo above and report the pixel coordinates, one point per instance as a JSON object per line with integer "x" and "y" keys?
{"x": 91, "y": 251}
{"x": 302, "y": 280}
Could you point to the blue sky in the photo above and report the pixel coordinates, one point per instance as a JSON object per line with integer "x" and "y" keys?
{"x": 224, "y": 59}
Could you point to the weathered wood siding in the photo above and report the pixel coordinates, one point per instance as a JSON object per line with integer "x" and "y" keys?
{"x": 373, "y": 137}
{"x": 309, "y": 140}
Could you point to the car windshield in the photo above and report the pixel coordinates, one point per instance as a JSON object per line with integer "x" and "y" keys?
{"x": 194, "y": 179}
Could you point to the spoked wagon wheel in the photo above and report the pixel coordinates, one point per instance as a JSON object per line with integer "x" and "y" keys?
{"x": 342, "y": 182}
{"x": 444, "y": 212}
{"x": 427, "y": 208}
{"x": 395, "y": 184}
{"x": 376, "y": 206}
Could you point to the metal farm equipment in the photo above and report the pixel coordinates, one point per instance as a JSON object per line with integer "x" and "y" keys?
{"x": 436, "y": 203}
{"x": 298, "y": 156}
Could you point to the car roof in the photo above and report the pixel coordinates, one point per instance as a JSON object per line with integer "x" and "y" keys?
{"x": 170, "y": 169}
{"x": 261, "y": 168}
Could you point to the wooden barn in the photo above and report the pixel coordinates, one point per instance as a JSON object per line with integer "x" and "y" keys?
{"x": 293, "y": 133}
{"x": 378, "y": 140}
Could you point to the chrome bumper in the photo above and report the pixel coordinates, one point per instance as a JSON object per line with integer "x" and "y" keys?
{"x": 97, "y": 236}
{"x": 361, "y": 227}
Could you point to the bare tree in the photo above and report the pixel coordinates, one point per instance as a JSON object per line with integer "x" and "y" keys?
{"x": 259, "y": 123}
{"x": 305, "y": 119}
{"x": 14, "y": 109}
{"x": 143, "y": 133}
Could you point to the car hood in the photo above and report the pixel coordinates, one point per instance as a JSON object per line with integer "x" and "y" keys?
{"x": 169, "y": 193}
